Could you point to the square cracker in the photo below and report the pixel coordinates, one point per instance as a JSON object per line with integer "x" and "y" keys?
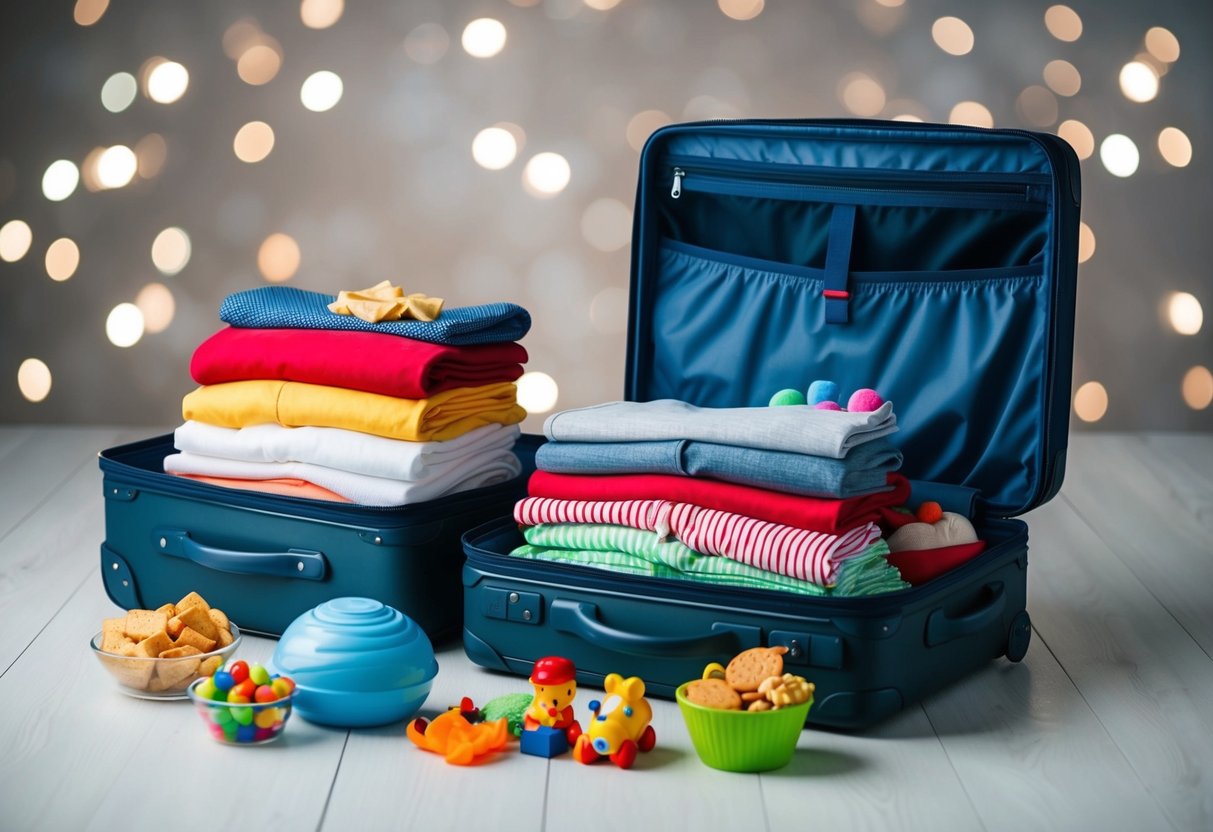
{"x": 193, "y": 638}
{"x": 154, "y": 645}
{"x": 192, "y": 600}
{"x": 113, "y": 633}
{"x": 143, "y": 623}
{"x": 220, "y": 618}
{"x": 171, "y": 673}
{"x": 134, "y": 673}
{"x": 197, "y": 619}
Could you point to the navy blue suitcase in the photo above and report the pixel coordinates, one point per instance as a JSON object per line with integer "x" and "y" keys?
{"x": 936, "y": 264}
{"x": 265, "y": 559}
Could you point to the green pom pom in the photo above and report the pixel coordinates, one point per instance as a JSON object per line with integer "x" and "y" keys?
{"x": 788, "y": 396}
{"x": 512, "y": 706}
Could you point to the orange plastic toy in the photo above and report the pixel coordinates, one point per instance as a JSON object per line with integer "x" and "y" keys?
{"x": 460, "y": 742}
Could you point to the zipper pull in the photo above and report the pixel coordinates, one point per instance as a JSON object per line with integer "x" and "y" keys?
{"x": 676, "y": 190}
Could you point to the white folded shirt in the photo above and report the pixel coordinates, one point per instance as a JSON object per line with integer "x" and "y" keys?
{"x": 487, "y": 468}
{"x": 345, "y": 450}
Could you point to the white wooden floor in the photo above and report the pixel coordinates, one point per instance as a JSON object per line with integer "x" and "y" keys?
{"x": 1107, "y": 724}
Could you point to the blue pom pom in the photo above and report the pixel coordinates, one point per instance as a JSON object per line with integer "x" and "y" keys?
{"x": 822, "y": 391}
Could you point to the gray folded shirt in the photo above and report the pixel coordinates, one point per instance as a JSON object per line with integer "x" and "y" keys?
{"x": 865, "y": 469}
{"x": 795, "y": 428}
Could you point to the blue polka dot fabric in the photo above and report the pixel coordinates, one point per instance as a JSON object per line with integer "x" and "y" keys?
{"x": 285, "y": 307}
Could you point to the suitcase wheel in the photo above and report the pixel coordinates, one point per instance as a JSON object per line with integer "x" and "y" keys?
{"x": 1019, "y": 637}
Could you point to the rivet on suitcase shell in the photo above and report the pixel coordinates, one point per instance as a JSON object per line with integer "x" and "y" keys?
{"x": 114, "y": 566}
{"x": 299, "y": 566}
{"x": 513, "y": 597}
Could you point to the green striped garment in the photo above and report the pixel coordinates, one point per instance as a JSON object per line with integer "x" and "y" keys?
{"x": 642, "y": 552}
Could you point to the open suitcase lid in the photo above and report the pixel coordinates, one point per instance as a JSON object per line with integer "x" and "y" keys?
{"x": 934, "y": 263}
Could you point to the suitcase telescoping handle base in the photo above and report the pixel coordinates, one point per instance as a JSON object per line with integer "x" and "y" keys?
{"x": 293, "y": 563}
{"x": 580, "y": 618}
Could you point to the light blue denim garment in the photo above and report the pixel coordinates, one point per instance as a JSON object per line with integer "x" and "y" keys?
{"x": 862, "y": 471}
{"x": 795, "y": 428}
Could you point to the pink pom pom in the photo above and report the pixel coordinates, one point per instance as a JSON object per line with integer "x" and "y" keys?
{"x": 864, "y": 400}
{"x": 827, "y": 406}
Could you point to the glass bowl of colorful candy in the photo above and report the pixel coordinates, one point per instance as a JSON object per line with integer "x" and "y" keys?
{"x": 243, "y": 704}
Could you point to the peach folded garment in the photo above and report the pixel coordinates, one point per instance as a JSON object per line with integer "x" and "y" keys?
{"x": 442, "y": 416}
{"x": 285, "y": 487}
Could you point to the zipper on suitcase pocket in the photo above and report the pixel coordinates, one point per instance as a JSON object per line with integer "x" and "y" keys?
{"x": 860, "y": 188}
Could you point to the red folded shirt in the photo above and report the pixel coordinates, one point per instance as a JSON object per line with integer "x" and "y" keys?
{"x": 369, "y": 361}
{"x": 812, "y": 513}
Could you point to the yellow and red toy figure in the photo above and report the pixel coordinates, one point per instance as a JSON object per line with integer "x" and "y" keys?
{"x": 620, "y": 727}
{"x": 554, "y": 680}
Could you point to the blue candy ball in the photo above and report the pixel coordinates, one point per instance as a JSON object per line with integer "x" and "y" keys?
{"x": 822, "y": 391}
{"x": 223, "y": 680}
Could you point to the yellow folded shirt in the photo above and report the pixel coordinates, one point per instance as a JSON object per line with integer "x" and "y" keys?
{"x": 442, "y": 416}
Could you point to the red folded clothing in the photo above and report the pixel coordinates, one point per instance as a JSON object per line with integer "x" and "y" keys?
{"x": 812, "y": 513}
{"x": 921, "y": 565}
{"x": 370, "y": 361}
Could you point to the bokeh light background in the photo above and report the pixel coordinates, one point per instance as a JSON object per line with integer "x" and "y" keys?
{"x": 155, "y": 156}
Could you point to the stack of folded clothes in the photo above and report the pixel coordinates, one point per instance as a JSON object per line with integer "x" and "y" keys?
{"x": 302, "y": 400}
{"x": 790, "y": 498}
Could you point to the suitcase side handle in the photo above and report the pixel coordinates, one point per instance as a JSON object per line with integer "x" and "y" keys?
{"x": 942, "y": 628}
{"x": 579, "y": 618}
{"x": 293, "y": 563}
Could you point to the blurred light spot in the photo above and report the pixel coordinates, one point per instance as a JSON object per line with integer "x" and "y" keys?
{"x": 907, "y": 109}
{"x": 861, "y": 94}
{"x": 525, "y": 4}
{"x": 62, "y": 259}
{"x": 1119, "y": 155}
{"x": 537, "y": 392}
{"x": 88, "y": 12}
{"x": 1175, "y": 147}
{"x": 427, "y": 43}
{"x": 892, "y": 4}
{"x": 119, "y": 91}
{"x": 88, "y": 170}
{"x": 151, "y": 151}
{"x": 606, "y": 224}
{"x": 240, "y": 36}
{"x": 483, "y": 37}
{"x": 321, "y": 91}
{"x": 1185, "y": 313}
{"x": 1198, "y": 388}
{"x": 15, "y": 240}
{"x": 321, "y": 14}
{"x": 171, "y": 251}
{"x": 741, "y": 9}
{"x": 907, "y": 117}
{"x": 116, "y": 166}
{"x": 1091, "y": 402}
{"x": 1063, "y": 77}
{"x": 1086, "y": 242}
{"x": 253, "y": 142}
{"x": 1079, "y": 137}
{"x": 602, "y": 5}
{"x": 167, "y": 82}
{"x": 259, "y": 64}
{"x": 643, "y": 124}
{"x": 546, "y": 174}
{"x": 156, "y": 303}
{"x": 34, "y": 379}
{"x": 609, "y": 310}
{"x": 1162, "y": 45}
{"x": 709, "y": 107}
{"x": 60, "y": 180}
{"x": 952, "y": 35}
{"x": 1138, "y": 81}
{"x": 1063, "y": 23}
{"x": 494, "y": 148}
{"x": 972, "y": 113}
{"x": 124, "y": 326}
{"x": 1037, "y": 106}
{"x": 278, "y": 258}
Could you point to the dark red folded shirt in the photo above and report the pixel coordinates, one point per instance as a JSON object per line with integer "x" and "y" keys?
{"x": 371, "y": 361}
{"x": 821, "y": 515}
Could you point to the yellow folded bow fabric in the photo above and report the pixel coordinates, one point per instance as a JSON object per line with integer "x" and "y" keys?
{"x": 385, "y": 302}
{"x": 442, "y": 416}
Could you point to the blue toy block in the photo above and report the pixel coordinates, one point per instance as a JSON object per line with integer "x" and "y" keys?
{"x": 543, "y": 742}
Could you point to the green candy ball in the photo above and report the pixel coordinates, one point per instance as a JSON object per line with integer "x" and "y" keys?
{"x": 785, "y": 397}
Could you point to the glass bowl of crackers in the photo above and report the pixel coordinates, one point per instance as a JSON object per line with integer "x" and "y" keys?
{"x": 746, "y": 717}
{"x": 157, "y": 654}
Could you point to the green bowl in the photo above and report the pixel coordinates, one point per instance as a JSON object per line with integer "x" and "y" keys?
{"x": 741, "y": 740}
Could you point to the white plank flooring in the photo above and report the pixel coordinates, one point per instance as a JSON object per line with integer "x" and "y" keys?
{"x": 1107, "y": 724}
